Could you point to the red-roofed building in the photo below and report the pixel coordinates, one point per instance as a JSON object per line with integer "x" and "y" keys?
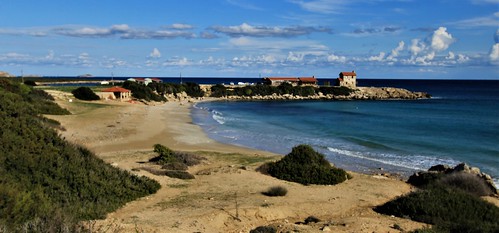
{"x": 276, "y": 81}
{"x": 347, "y": 79}
{"x": 115, "y": 93}
{"x": 308, "y": 81}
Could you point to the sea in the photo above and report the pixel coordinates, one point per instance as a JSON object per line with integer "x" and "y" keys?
{"x": 460, "y": 123}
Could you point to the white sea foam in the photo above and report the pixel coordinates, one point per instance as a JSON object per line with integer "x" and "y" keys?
{"x": 218, "y": 116}
{"x": 415, "y": 162}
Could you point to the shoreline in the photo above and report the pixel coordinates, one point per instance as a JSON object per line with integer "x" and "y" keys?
{"x": 122, "y": 134}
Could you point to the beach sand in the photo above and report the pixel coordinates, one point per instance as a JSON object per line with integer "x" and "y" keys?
{"x": 225, "y": 195}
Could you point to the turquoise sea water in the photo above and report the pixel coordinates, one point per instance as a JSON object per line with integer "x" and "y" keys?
{"x": 460, "y": 124}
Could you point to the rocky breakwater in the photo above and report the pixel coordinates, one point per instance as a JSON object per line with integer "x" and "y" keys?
{"x": 361, "y": 93}
{"x": 382, "y": 93}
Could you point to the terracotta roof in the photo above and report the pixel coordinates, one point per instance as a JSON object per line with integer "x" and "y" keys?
{"x": 308, "y": 79}
{"x": 283, "y": 79}
{"x": 348, "y": 73}
{"x": 116, "y": 89}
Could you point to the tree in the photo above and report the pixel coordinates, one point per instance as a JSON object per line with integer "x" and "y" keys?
{"x": 85, "y": 93}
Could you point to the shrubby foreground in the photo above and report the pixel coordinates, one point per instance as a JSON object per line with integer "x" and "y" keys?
{"x": 47, "y": 183}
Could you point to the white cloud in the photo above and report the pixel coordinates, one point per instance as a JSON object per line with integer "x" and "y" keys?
{"x": 494, "y": 53}
{"x": 395, "y": 52}
{"x": 295, "y": 57}
{"x": 451, "y": 56}
{"x": 181, "y": 26}
{"x": 416, "y": 47}
{"x": 441, "y": 39}
{"x": 265, "y": 31}
{"x": 380, "y": 57}
{"x": 120, "y": 28}
{"x": 178, "y": 61}
{"x": 426, "y": 59}
{"x": 155, "y": 53}
{"x": 124, "y": 31}
{"x": 335, "y": 58}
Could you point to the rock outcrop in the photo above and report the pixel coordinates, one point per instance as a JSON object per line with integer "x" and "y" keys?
{"x": 361, "y": 93}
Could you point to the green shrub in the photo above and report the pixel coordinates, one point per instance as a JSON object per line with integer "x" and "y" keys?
{"x": 166, "y": 155}
{"x": 264, "y": 229}
{"x": 218, "y": 90}
{"x": 84, "y": 93}
{"x": 140, "y": 91}
{"x": 175, "y": 166}
{"x": 30, "y": 83}
{"x": 193, "y": 89}
{"x": 335, "y": 90}
{"x": 306, "y": 166}
{"x": 469, "y": 183}
{"x": 276, "y": 191}
{"x": 179, "y": 175}
{"x": 48, "y": 182}
{"x": 424, "y": 179}
{"x": 450, "y": 210}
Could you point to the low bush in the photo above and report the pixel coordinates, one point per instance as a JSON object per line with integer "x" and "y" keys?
{"x": 174, "y": 164}
{"x": 84, "y": 93}
{"x": 218, "y": 90}
{"x": 140, "y": 91}
{"x": 424, "y": 179}
{"x": 469, "y": 183}
{"x": 276, "y": 191}
{"x": 188, "y": 159}
{"x": 264, "y": 229}
{"x": 306, "y": 166}
{"x": 30, "y": 83}
{"x": 311, "y": 219}
{"x": 450, "y": 210}
{"x": 335, "y": 90}
{"x": 179, "y": 175}
{"x": 166, "y": 155}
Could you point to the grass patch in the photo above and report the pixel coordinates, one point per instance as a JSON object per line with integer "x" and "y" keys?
{"x": 237, "y": 158}
{"x": 178, "y": 186}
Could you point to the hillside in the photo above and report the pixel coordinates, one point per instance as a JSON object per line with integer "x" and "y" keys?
{"x": 47, "y": 183}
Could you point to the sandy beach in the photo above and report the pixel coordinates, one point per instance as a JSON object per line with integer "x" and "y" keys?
{"x": 225, "y": 195}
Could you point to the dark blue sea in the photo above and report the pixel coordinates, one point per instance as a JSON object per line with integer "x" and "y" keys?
{"x": 459, "y": 124}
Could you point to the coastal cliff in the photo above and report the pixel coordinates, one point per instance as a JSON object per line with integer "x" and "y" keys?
{"x": 361, "y": 93}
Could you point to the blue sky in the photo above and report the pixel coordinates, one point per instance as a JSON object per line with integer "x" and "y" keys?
{"x": 438, "y": 39}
